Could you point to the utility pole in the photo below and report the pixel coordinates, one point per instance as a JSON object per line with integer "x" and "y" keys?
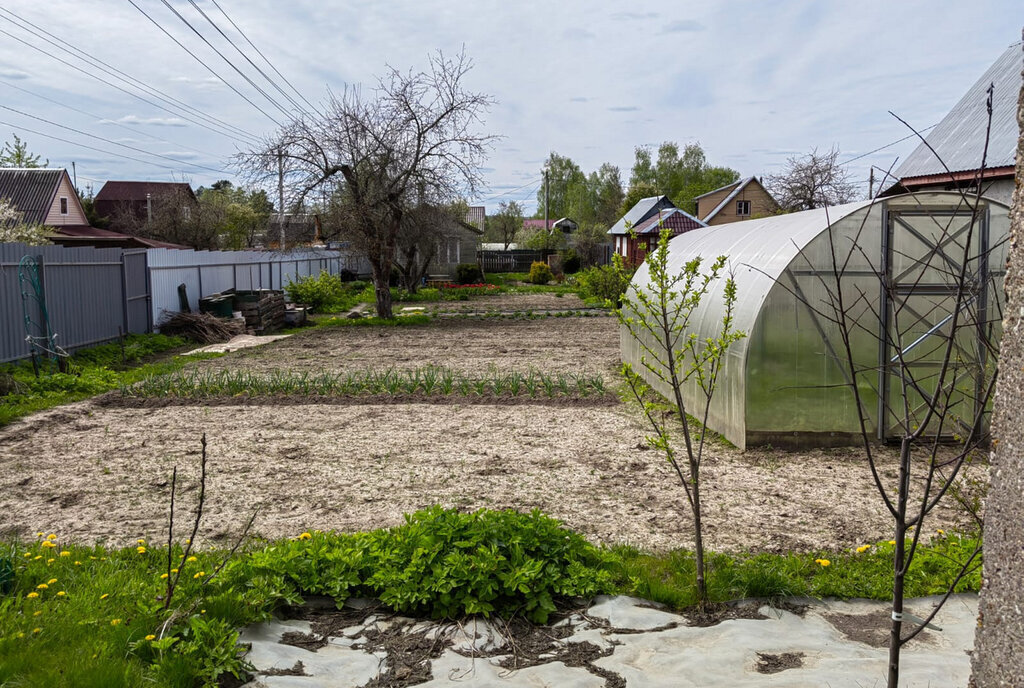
{"x": 546, "y": 228}
{"x": 74, "y": 174}
{"x": 280, "y": 194}
{"x": 871, "y": 183}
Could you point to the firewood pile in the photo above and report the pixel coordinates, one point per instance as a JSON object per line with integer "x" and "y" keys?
{"x": 200, "y": 327}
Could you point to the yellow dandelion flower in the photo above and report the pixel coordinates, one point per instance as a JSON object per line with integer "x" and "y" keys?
{"x": 51, "y": 581}
{"x": 140, "y": 549}
{"x": 115, "y": 622}
{"x": 304, "y": 536}
{"x": 28, "y": 554}
{"x": 51, "y": 536}
{"x": 50, "y": 561}
{"x": 21, "y": 635}
{"x": 38, "y": 613}
{"x": 65, "y": 553}
{"x": 200, "y": 574}
{"x": 174, "y": 570}
{"x": 78, "y": 563}
{"x": 823, "y": 562}
{"x": 37, "y": 557}
{"x": 32, "y": 595}
{"x": 42, "y": 586}
{"x": 47, "y": 543}
{"x": 163, "y": 576}
{"x": 92, "y": 557}
{"x": 940, "y": 531}
{"x": 202, "y": 611}
{"x": 40, "y": 534}
{"x": 37, "y": 630}
{"x": 892, "y": 542}
{"x": 150, "y": 637}
{"x": 863, "y": 548}
{"x": 61, "y": 594}
{"x": 104, "y": 595}
{"x": 141, "y": 541}
{"x": 192, "y": 559}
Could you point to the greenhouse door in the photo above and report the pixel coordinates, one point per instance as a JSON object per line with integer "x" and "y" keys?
{"x": 921, "y": 315}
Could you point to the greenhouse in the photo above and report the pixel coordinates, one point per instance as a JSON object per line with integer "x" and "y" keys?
{"x": 898, "y": 263}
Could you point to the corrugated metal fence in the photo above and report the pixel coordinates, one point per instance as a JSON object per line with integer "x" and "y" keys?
{"x": 93, "y": 294}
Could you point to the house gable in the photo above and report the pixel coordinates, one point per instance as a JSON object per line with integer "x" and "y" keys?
{"x": 37, "y": 194}
{"x": 738, "y": 201}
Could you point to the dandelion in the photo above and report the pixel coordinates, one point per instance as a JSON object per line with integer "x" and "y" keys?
{"x": 192, "y": 559}
{"x": 28, "y": 554}
{"x": 150, "y": 637}
{"x": 32, "y": 595}
{"x": 36, "y": 630}
{"x": 174, "y": 570}
{"x": 823, "y": 562}
{"x": 47, "y": 543}
{"x": 42, "y": 586}
{"x": 200, "y": 574}
{"x": 940, "y": 531}
{"x": 92, "y": 557}
{"x": 304, "y": 536}
{"x": 38, "y": 613}
{"x": 202, "y": 611}
{"x": 51, "y": 581}
{"x": 863, "y": 548}
{"x": 115, "y": 622}
{"x": 78, "y": 563}
{"x": 65, "y": 553}
{"x": 21, "y": 635}
{"x": 51, "y": 536}
{"x": 140, "y": 549}
{"x": 37, "y": 557}
{"x": 61, "y": 594}
{"x": 104, "y": 595}
{"x": 40, "y": 534}
{"x": 892, "y": 542}
{"x": 50, "y": 561}
{"x": 141, "y": 541}
{"x": 163, "y": 576}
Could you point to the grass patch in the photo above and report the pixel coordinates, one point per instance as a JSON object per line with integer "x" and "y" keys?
{"x": 400, "y": 321}
{"x": 428, "y": 380}
{"x": 91, "y": 372}
{"x": 669, "y": 578}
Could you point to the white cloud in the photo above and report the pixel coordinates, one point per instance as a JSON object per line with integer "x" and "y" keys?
{"x": 13, "y": 74}
{"x": 153, "y": 121}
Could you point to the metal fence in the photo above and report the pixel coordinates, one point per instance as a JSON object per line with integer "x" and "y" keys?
{"x": 92, "y": 295}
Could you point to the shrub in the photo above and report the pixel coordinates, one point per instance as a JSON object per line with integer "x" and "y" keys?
{"x": 468, "y": 273}
{"x": 604, "y": 283}
{"x": 322, "y": 293}
{"x": 540, "y": 273}
{"x": 571, "y": 262}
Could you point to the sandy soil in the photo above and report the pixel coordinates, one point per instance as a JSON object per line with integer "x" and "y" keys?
{"x": 93, "y": 472}
{"x": 580, "y": 345}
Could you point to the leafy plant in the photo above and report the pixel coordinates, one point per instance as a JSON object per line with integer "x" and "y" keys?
{"x": 324, "y": 293}
{"x": 606, "y": 283}
{"x": 468, "y": 273}
{"x": 540, "y": 273}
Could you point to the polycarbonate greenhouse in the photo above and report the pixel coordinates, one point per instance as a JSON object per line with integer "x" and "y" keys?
{"x": 787, "y": 383}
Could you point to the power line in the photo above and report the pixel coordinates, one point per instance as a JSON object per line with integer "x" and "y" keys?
{"x": 102, "y": 119}
{"x": 910, "y": 136}
{"x": 92, "y": 148}
{"x": 260, "y": 53}
{"x": 509, "y": 193}
{"x": 105, "y": 140}
{"x": 200, "y": 61}
{"x": 60, "y": 44}
{"x": 229, "y": 63}
{"x": 273, "y": 83}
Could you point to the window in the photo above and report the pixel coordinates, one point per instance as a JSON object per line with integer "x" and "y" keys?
{"x": 743, "y": 207}
{"x": 186, "y": 212}
{"x": 63, "y": 205}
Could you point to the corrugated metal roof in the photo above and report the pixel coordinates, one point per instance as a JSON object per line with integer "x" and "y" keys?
{"x": 642, "y": 210}
{"x": 31, "y": 191}
{"x": 677, "y": 220}
{"x": 959, "y": 139}
{"x": 721, "y": 188}
{"x": 136, "y": 191}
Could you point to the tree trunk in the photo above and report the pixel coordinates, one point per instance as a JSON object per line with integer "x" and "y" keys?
{"x": 899, "y": 565}
{"x": 382, "y": 288}
{"x": 698, "y": 538}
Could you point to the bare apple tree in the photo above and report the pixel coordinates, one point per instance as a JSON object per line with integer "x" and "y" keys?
{"x": 415, "y": 137}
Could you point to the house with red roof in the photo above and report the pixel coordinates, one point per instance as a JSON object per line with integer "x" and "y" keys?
{"x": 646, "y": 219}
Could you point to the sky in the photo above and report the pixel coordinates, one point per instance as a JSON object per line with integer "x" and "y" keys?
{"x": 755, "y": 83}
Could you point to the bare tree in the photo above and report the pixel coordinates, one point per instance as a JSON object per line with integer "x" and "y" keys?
{"x": 814, "y": 180}
{"x": 415, "y": 134}
{"x": 508, "y": 221}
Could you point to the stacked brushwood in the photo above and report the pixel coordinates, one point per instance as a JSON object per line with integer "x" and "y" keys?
{"x": 200, "y": 327}
{"x": 264, "y": 314}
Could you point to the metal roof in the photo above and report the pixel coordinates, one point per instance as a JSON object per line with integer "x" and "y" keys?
{"x": 714, "y": 191}
{"x": 959, "y": 138}
{"x": 137, "y": 191}
{"x": 677, "y": 220}
{"x": 642, "y": 210}
{"x": 30, "y": 190}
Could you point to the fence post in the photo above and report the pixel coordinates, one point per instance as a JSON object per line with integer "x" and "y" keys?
{"x": 124, "y": 293}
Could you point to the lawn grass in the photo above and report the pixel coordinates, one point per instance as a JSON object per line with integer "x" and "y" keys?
{"x": 75, "y": 615}
{"x": 90, "y": 372}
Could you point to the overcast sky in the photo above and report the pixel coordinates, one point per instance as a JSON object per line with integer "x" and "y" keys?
{"x": 753, "y": 82}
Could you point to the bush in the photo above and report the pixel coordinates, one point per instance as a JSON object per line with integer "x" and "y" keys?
{"x": 571, "y": 262}
{"x": 323, "y": 293}
{"x": 468, "y": 273}
{"x": 603, "y": 283}
{"x": 540, "y": 273}
{"x": 442, "y": 563}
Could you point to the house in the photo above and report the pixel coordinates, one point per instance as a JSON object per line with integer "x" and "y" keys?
{"x": 46, "y": 196}
{"x": 741, "y": 200}
{"x": 565, "y": 224}
{"x": 476, "y": 215}
{"x": 459, "y": 244}
{"x": 130, "y": 205}
{"x": 646, "y": 219}
{"x": 952, "y": 156}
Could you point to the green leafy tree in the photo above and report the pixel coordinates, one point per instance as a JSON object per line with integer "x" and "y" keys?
{"x": 507, "y": 222}
{"x": 566, "y": 184}
{"x": 16, "y": 155}
{"x": 658, "y": 316}
{"x": 636, "y": 192}
{"x": 608, "y": 194}
{"x": 680, "y": 175}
